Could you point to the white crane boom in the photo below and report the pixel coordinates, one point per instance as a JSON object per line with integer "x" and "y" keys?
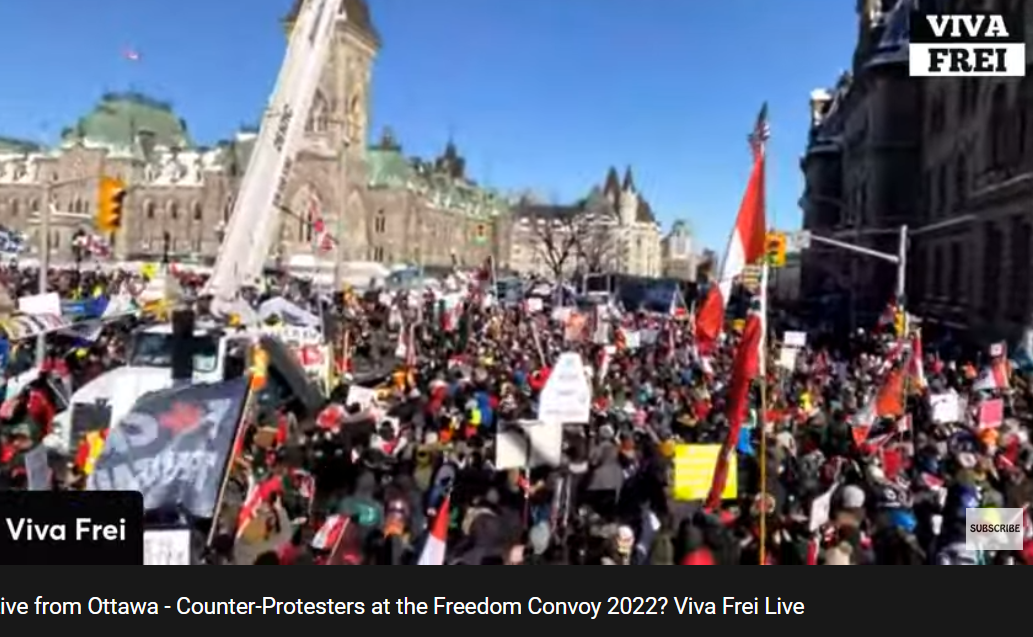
{"x": 253, "y": 223}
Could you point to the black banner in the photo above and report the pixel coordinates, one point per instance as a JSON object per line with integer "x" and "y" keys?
{"x": 673, "y": 600}
{"x": 173, "y": 447}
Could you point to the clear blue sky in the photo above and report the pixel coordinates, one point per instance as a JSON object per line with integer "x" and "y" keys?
{"x": 540, "y": 94}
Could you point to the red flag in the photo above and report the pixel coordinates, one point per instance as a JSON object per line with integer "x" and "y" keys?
{"x": 745, "y": 245}
{"x": 744, "y": 370}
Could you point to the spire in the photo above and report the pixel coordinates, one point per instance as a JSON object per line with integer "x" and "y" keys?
{"x": 612, "y": 185}
{"x": 629, "y": 180}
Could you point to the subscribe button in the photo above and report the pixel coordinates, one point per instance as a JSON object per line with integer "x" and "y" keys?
{"x": 71, "y": 527}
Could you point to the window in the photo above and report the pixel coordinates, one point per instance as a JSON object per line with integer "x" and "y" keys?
{"x": 173, "y": 210}
{"x": 991, "y": 271}
{"x": 149, "y": 209}
{"x": 941, "y": 194}
{"x": 380, "y": 224}
{"x": 998, "y": 127}
{"x": 77, "y": 205}
{"x": 1019, "y": 297}
{"x": 15, "y": 206}
{"x": 378, "y": 253}
{"x": 154, "y": 349}
{"x": 961, "y": 178}
{"x": 938, "y": 278}
{"x": 34, "y": 206}
{"x": 198, "y": 212}
{"x": 954, "y": 268}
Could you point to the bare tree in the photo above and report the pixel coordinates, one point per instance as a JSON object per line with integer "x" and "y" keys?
{"x": 552, "y": 239}
{"x": 597, "y": 244}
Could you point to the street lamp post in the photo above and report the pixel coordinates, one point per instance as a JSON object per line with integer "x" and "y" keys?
{"x": 46, "y": 212}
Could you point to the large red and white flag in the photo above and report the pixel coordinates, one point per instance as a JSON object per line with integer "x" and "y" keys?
{"x": 433, "y": 553}
{"x": 745, "y": 245}
{"x": 745, "y": 368}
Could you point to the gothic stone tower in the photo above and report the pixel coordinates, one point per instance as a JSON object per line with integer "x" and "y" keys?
{"x": 331, "y": 173}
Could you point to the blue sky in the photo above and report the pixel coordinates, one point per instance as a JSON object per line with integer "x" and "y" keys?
{"x": 539, "y": 94}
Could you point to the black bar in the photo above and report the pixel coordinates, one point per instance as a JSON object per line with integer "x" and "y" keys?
{"x": 922, "y": 31}
{"x": 819, "y": 603}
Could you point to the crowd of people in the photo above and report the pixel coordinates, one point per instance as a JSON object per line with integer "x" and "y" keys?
{"x": 872, "y": 449}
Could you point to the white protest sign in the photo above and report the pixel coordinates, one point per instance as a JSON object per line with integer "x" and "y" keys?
{"x": 945, "y": 408}
{"x": 36, "y": 304}
{"x": 787, "y": 358}
{"x": 37, "y": 469}
{"x": 166, "y": 547}
{"x": 363, "y": 396}
{"x": 821, "y": 508}
{"x": 567, "y": 395}
{"x": 534, "y": 305}
{"x": 794, "y": 339}
{"x": 529, "y": 444}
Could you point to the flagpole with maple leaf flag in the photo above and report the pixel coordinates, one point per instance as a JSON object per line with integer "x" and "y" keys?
{"x": 745, "y": 247}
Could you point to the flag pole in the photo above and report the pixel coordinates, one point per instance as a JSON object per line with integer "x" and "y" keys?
{"x": 762, "y": 373}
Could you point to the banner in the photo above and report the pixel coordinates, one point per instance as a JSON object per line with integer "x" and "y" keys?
{"x": 173, "y": 447}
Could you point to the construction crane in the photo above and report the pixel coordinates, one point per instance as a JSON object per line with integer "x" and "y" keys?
{"x": 253, "y": 223}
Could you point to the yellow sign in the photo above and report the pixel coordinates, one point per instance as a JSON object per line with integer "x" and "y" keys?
{"x": 775, "y": 248}
{"x": 694, "y": 472}
{"x": 149, "y": 270}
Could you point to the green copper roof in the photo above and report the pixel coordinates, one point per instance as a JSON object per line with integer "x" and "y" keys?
{"x": 12, "y": 145}
{"x": 120, "y": 118}
{"x": 388, "y": 168}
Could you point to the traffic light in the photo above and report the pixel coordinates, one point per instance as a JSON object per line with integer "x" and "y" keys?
{"x": 775, "y": 249}
{"x": 110, "y": 197}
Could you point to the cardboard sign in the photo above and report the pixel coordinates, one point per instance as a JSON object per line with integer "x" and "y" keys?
{"x": 991, "y": 413}
{"x": 567, "y": 396}
{"x": 529, "y": 444}
{"x": 166, "y": 547}
{"x": 945, "y": 408}
{"x": 794, "y": 339}
{"x": 363, "y": 396}
{"x": 787, "y": 358}
{"x": 694, "y": 472}
{"x": 821, "y": 508}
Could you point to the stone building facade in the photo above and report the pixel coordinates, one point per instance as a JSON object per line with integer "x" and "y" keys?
{"x": 862, "y": 167}
{"x": 950, "y": 157}
{"x": 612, "y": 229}
{"x": 379, "y": 204}
{"x": 677, "y": 253}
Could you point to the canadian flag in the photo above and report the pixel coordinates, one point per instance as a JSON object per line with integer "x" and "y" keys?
{"x": 433, "y": 553}
{"x": 994, "y": 376}
{"x": 745, "y": 246}
{"x": 329, "y": 534}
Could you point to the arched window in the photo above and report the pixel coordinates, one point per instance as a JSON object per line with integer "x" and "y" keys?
{"x": 149, "y": 210}
{"x": 198, "y": 211}
{"x": 77, "y": 205}
{"x": 380, "y": 224}
{"x": 173, "y": 210}
{"x": 961, "y": 178}
{"x": 34, "y": 206}
{"x": 319, "y": 116}
{"x": 15, "y": 208}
